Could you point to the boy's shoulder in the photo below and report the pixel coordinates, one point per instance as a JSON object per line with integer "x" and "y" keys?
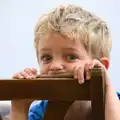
{"x": 37, "y": 111}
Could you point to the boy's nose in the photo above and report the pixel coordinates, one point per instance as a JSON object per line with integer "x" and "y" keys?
{"x": 56, "y": 67}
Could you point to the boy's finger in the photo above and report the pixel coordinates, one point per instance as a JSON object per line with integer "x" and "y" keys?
{"x": 14, "y": 76}
{"x": 96, "y": 63}
{"x": 34, "y": 71}
{"x": 28, "y": 71}
{"x": 18, "y": 76}
{"x": 75, "y": 69}
{"x": 87, "y": 72}
{"x": 25, "y": 75}
{"x": 80, "y": 74}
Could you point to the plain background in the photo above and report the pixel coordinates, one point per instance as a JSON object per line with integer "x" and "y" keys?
{"x": 17, "y": 21}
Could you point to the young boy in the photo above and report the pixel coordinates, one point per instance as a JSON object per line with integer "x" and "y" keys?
{"x": 69, "y": 39}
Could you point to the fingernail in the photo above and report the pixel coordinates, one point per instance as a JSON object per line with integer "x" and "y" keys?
{"x": 75, "y": 77}
{"x": 87, "y": 77}
{"x": 32, "y": 76}
{"x": 28, "y": 77}
{"x": 21, "y": 77}
{"x": 80, "y": 81}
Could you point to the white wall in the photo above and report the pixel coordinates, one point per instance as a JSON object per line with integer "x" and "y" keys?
{"x": 17, "y": 20}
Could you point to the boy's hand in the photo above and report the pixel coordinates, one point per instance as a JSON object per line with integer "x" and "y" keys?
{"x": 84, "y": 68}
{"x": 28, "y": 73}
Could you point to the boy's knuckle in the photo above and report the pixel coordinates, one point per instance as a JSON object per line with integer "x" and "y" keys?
{"x": 26, "y": 69}
{"x": 80, "y": 67}
{"x": 96, "y": 61}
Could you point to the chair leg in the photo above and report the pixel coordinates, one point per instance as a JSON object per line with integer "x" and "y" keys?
{"x": 56, "y": 110}
{"x": 97, "y": 94}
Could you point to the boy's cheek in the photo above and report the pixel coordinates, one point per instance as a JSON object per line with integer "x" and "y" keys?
{"x": 70, "y": 67}
{"x": 44, "y": 69}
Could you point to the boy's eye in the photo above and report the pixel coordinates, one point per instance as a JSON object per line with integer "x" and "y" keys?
{"x": 46, "y": 58}
{"x": 71, "y": 57}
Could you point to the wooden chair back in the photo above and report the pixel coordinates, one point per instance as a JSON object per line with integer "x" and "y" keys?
{"x": 60, "y": 91}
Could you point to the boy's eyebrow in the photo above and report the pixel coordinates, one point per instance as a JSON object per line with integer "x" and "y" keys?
{"x": 71, "y": 49}
{"x": 45, "y": 49}
{"x": 64, "y": 49}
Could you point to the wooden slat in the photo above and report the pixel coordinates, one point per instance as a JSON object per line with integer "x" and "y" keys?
{"x": 64, "y": 89}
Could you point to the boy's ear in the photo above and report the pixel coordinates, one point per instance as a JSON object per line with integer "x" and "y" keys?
{"x": 105, "y": 62}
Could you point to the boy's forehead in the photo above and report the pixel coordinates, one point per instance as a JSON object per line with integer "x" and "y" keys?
{"x": 59, "y": 43}
{"x": 57, "y": 39}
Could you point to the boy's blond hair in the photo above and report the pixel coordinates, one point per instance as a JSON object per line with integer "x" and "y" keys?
{"x": 76, "y": 23}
